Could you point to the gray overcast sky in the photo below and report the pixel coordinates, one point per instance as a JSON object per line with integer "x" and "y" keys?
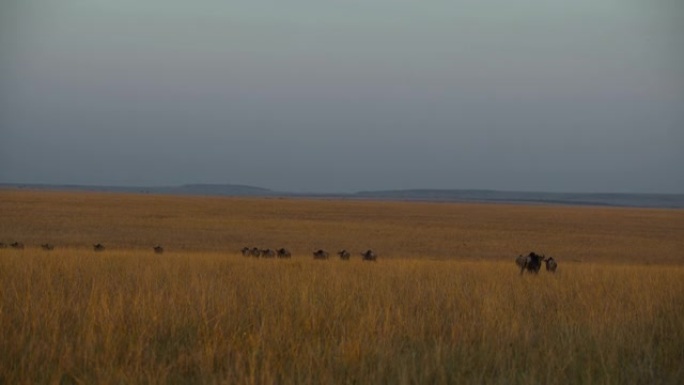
{"x": 345, "y": 95}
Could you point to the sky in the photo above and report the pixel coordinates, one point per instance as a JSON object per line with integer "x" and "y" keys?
{"x": 345, "y": 95}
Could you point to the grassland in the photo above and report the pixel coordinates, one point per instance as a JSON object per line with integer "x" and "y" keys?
{"x": 444, "y": 303}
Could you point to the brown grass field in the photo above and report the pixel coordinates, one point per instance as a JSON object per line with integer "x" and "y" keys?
{"x": 444, "y": 304}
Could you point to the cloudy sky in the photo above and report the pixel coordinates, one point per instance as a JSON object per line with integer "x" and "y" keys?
{"x": 345, "y": 95}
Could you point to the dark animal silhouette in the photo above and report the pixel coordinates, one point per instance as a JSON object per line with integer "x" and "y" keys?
{"x": 47, "y": 246}
{"x": 158, "y": 249}
{"x": 551, "y": 265}
{"x": 17, "y": 245}
{"x": 255, "y": 252}
{"x": 245, "y": 251}
{"x": 284, "y": 253}
{"x": 98, "y": 247}
{"x": 532, "y": 263}
{"x": 369, "y": 255}
{"x": 268, "y": 253}
{"x": 344, "y": 255}
{"x": 320, "y": 254}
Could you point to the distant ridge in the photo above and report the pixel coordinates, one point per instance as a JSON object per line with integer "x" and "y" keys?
{"x": 221, "y": 189}
{"x": 188, "y": 189}
{"x": 671, "y": 201}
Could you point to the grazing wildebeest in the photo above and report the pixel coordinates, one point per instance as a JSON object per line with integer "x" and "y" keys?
{"x": 320, "y": 254}
{"x": 268, "y": 253}
{"x": 158, "y": 249}
{"x": 551, "y": 264}
{"x": 98, "y": 247}
{"x": 284, "y": 253}
{"x": 369, "y": 255}
{"x": 532, "y": 263}
{"x": 344, "y": 255}
{"x": 520, "y": 261}
{"x": 255, "y": 252}
{"x": 47, "y": 246}
{"x": 17, "y": 245}
{"x": 245, "y": 251}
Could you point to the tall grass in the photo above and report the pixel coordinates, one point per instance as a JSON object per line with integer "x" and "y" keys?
{"x": 136, "y": 317}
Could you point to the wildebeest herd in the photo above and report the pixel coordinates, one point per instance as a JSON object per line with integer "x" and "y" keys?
{"x": 266, "y": 253}
{"x": 531, "y": 263}
{"x": 368, "y": 255}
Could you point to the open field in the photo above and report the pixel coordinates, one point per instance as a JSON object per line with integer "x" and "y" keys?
{"x": 444, "y": 303}
{"x": 393, "y": 229}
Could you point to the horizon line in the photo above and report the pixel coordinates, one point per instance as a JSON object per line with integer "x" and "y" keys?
{"x": 290, "y": 192}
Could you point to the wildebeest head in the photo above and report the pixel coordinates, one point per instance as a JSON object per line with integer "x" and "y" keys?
{"x": 283, "y": 253}
{"x": 369, "y": 255}
{"x": 158, "y": 249}
{"x": 98, "y": 247}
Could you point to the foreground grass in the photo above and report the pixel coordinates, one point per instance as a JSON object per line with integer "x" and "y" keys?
{"x": 133, "y": 317}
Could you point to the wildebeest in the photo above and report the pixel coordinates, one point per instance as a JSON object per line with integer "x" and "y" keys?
{"x": 158, "y": 249}
{"x": 98, "y": 247}
{"x": 245, "y": 251}
{"x": 532, "y": 262}
{"x": 17, "y": 245}
{"x": 369, "y": 255}
{"x": 268, "y": 253}
{"x": 344, "y": 255}
{"x": 255, "y": 252}
{"x": 3, "y": 246}
{"x": 520, "y": 261}
{"x": 284, "y": 253}
{"x": 320, "y": 254}
{"x": 551, "y": 264}
{"x": 47, "y": 246}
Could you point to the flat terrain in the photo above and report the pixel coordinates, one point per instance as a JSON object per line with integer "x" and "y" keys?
{"x": 444, "y": 303}
{"x": 392, "y": 229}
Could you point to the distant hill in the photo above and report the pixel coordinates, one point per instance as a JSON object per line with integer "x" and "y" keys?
{"x": 188, "y": 189}
{"x": 426, "y": 195}
{"x": 219, "y": 189}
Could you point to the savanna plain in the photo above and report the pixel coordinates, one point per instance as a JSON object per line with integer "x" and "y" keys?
{"x": 444, "y": 303}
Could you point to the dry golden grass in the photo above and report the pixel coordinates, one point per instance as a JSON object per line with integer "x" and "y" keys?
{"x": 393, "y": 229}
{"x": 444, "y": 304}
